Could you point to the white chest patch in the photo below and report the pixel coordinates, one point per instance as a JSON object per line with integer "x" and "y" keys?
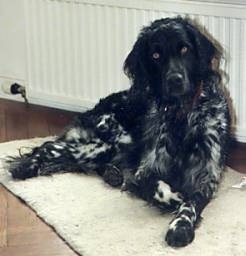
{"x": 125, "y": 139}
{"x": 103, "y": 121}
{"x": 164, "y": 193}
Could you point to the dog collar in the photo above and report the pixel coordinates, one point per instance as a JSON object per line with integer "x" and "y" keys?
{"x": 187, "y": 104}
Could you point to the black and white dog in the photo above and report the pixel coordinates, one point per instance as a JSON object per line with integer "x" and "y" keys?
{"x": 164, "y": 139}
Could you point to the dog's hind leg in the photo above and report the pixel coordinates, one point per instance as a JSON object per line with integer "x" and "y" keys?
{"x": 68, "y": 153}
{"x": 83, "y": 147}
{"x": 95, "y": 142}
{"x": 28, "y": 165}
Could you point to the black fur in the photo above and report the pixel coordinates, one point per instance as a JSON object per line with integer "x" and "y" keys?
{"x": 164, "y": 139}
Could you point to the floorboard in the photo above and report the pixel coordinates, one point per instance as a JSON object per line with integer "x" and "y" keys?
{"x": 3, "y": 217}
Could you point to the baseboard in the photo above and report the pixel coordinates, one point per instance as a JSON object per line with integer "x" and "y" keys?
{"x": 240, "y": 135}
{"x": 61, "y": 102}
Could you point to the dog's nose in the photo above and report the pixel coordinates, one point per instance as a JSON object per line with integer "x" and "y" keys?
{"x": 175, "y": 79}
{"x": 175, "y": 83}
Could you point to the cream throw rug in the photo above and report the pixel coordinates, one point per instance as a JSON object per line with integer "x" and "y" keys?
{"x": 97, "y": 220}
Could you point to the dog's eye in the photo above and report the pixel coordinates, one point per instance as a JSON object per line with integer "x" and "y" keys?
{"x": 156, "y": 55}
{"x": 184, "y": 50}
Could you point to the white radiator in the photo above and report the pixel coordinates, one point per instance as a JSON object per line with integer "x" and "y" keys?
{"x": 76, "y": 48}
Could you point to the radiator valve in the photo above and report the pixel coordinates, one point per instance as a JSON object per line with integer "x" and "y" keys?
{"x": 15, "y": 88}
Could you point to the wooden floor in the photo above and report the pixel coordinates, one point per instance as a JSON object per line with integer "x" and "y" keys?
{"x": 22, "y": 233}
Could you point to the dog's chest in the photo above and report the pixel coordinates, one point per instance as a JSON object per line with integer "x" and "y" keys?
{"x": 165, "y": 133}
{"x": 172, "y": 130}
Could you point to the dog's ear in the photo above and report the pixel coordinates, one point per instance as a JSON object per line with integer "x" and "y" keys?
{"x": 207, "y": 49}
{"x": 134, "y": 66}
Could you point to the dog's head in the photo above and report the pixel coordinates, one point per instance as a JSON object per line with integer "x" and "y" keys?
{"x": 172, "y": 57}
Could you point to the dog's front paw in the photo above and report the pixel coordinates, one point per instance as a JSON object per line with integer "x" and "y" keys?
{"x": 180, "y": 233}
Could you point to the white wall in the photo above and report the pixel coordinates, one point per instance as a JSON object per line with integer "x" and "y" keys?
{"x": 13, "y": 62}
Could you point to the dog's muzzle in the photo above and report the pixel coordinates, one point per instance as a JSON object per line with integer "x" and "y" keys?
{"x": 175, "y": 84}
